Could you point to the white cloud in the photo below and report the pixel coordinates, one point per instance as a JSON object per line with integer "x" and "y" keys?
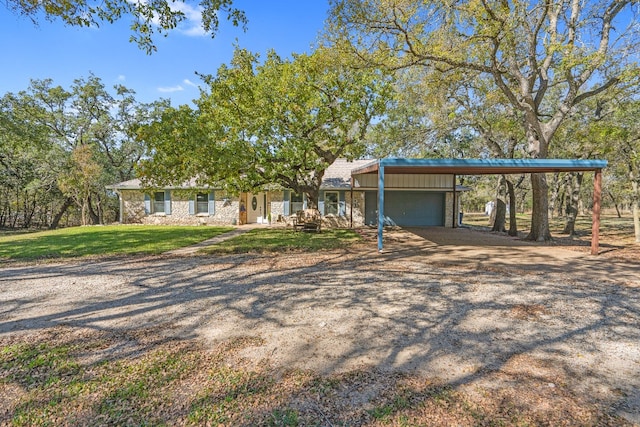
{"x": 189, "y": 83}
{"x": 121, "y": 78}
{"x": 192, "y": 26}
{"x": 194, "y": 30}
{"x": 170, "y": 89}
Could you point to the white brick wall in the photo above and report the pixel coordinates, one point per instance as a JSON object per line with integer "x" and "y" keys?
{"x": 227, "y": 209}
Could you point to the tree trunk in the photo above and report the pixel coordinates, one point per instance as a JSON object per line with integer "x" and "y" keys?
{"x": 312, "y": 198}
{"x": 84, "y": 207}
{"x": 14, "y": 219}
{"x": 540, "y": 214}
{"x": 93, "y": 216}
{"x": 28, "y": 210}
{"x": 634, "y": 178}
{"x": 636, "y": 221}
{"x": 498, "y": 215}
{"x": 572, "y": 197}
{"x": 56, "y": 219}
{"x": 555, "y": 193}
{"x": 513, "y": 224}
{"x": 636, "y": 210}
{"x": 615, "y": 204}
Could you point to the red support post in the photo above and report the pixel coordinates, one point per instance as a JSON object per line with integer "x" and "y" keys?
{"x": 597, "y": 198}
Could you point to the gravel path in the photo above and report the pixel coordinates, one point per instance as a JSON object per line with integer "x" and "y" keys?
{"x": 563, "y": 319}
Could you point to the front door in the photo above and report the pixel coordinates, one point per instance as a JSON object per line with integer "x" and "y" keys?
{"x": 255, "y": 208}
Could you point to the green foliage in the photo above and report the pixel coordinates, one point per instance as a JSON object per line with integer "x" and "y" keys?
{"x": 37, "y": 365}
{"x": 108, "y": 240}
{"x": 277, "y": 122}
{"x": 542, "y": 61}
{"x": 285, "y": 240}
{"x": 283, "y": 418}
{"x": 147, "y": 18}
{"x": 60, "y": 147}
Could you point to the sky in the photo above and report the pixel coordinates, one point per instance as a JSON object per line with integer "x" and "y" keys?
{"x": 63, "y": 53}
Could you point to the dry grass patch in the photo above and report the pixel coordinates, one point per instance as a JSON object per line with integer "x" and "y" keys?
{"x": 528, "y": 311}
{"x": 55, "y": 378}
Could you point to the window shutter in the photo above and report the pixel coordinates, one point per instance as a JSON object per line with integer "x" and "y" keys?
{"x": 167, "y": 202}
{"x": 147, "y": 204}
{"x": 321, "y": 202}
{"x": 192, "y": 206}
{"x": 342, "y": 206}
{"x": 212, "y": 203}
{"x": 285, "y": 203}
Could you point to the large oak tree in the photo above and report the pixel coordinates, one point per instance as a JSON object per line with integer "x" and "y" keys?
{"x": 277, "y": 122}
{"x": 546, "y": 57}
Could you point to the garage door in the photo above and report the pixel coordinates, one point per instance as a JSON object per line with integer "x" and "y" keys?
{"x": 406, "y": 208}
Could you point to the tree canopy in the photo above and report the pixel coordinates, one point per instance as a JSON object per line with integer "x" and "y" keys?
{"x": 545, "y": 58}
{"x": 147, "y": 17}
{"x": 60, "y": 147}
{"x": 277, "y": 122}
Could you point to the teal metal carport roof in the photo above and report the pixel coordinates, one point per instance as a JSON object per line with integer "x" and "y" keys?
{"x": 483, "y": 167}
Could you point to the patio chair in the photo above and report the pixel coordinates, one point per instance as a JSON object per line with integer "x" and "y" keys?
{"x": 308, "y": 220}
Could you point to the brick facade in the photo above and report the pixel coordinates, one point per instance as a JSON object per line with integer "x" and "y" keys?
{"x": 227, "y": 210}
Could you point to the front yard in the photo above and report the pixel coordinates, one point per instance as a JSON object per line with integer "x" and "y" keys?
{"x": 102, "y": 240}
{"x": 423, "y": 334}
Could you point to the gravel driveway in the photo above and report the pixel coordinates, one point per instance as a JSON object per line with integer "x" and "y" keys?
{"x": 466, "y": 314}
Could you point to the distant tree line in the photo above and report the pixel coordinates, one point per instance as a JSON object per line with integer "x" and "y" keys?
{"x": 60, "y": 147}
{"x": 470, "y": 79}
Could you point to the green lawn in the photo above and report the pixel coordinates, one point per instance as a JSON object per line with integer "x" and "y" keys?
{"x": 107, "y": 240}
{"x": 283, "y": 240}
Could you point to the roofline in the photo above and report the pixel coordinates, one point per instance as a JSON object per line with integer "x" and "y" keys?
{"x": 479, "y": 166}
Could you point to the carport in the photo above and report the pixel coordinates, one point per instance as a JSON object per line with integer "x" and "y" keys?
{"x": 455, "y": 167}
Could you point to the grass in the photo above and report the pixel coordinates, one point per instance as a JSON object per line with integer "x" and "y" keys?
{"x": 47, "y": 379}
{"x": 107, "y": 240}
{"x": 613, "y": 230}
{"x": 283, "y": 240}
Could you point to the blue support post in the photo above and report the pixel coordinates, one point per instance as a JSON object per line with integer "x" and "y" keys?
{"x": 380, "y": 204}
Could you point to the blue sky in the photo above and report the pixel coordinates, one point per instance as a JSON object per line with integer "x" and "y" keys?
{"x": 62, "y": 53}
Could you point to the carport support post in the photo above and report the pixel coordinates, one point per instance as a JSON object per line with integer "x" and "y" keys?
{"x": 595, "y": 226}
{"x": 455, "y": 205}
{"x": 351, "y": 205}
{"x": 380, "y": 204}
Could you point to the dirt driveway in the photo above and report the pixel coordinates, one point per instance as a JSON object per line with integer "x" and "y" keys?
{"x": 537, "y": 319}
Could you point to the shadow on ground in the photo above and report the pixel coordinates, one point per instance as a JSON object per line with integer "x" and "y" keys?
{"x": 485, "y": 315}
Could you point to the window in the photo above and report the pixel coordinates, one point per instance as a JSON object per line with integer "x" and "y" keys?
{"x": 331, "y": 206}
{"x": 158, "y": 202}
{"x": 202, "y": 203}
{"x": 297, "y": 202}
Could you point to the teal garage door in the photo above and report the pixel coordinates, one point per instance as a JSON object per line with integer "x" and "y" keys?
{"x": 406, "y": 208}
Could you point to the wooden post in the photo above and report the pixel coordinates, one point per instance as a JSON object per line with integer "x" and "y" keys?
{"x": 597, "y": 197}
